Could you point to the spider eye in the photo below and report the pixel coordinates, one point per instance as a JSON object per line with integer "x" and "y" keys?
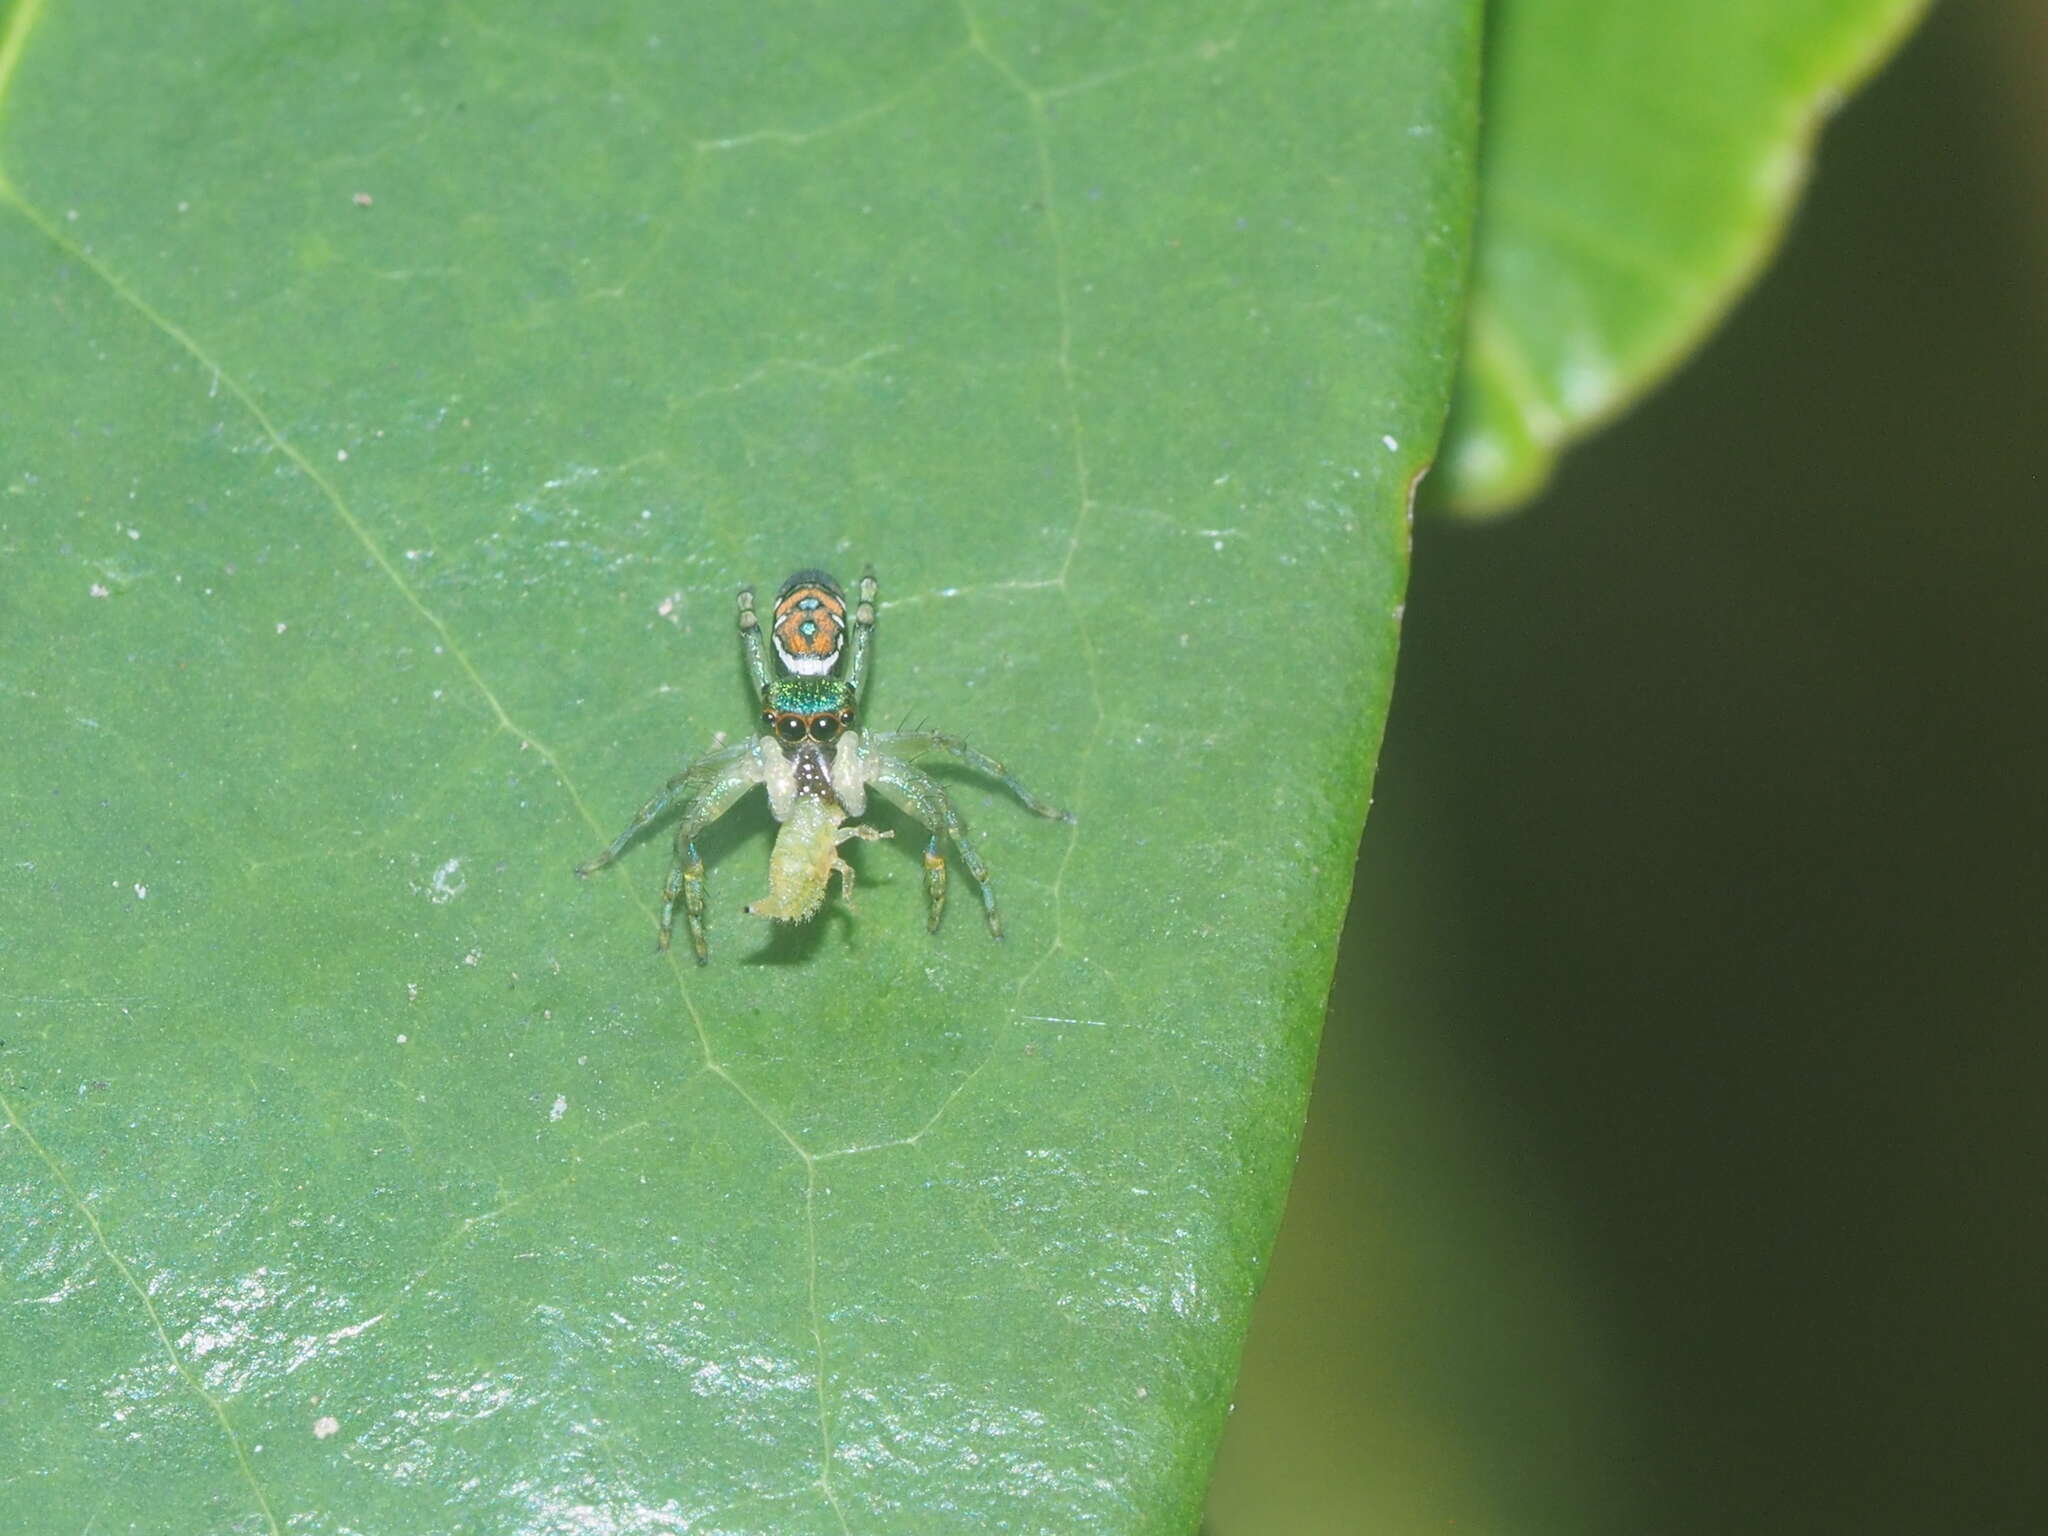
{"x": 790, "y": 727}
{"x": 824, "y": 727}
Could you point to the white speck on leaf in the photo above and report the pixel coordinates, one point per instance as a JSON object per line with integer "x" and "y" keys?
{"x": 325, "y": 1425}
{"x": 97, "y": 590}
{"x": 1392, "y": 443}
{"x": 448, "y": 883}
{"x": 141, "y": 892}
{"x": 559, "y": 1108}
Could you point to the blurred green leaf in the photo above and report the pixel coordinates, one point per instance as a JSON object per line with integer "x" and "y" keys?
{"x": 393, "y": 406}
{"x": 1637, "y": 168}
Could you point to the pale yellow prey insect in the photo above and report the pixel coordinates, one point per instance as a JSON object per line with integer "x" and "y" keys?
{"x": 806, "y": 853}
{"x": 817, "y": 768}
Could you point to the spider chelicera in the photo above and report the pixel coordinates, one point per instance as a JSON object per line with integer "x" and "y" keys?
{"x": 817, "y": 766}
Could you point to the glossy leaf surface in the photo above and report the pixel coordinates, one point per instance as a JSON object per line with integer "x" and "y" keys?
{"x": 393, "y": 404}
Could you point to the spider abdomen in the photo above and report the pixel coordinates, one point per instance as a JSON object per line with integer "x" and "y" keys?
{"x": 810, "y": 623}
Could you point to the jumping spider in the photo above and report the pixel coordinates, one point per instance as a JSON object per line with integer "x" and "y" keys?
{"x": 817, "y": 766}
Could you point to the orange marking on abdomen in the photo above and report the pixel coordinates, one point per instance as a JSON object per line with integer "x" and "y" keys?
{"x": 810, "y": 622}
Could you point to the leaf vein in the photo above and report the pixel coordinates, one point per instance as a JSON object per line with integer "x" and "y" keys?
{"x": 21, "y": 22}
{"x": 526, "y": 739}
{"x": 156, "y": 1322}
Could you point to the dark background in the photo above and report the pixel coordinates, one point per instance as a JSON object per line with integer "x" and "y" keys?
{"x": 1677, "y": 1159}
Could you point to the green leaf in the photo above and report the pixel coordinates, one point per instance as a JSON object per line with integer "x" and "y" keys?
{"x": 1637, "y": 169}
{"x": 394, "y": 404}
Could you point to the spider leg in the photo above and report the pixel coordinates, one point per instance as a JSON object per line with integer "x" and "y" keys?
{"x": 897, "y": 742}
{"x": 863, "y": 630}
{"x": 920, "y": 795}
{"x": 750, "y": 642}
{"x": 707, "y": 790}
{"x": 712, "y": 768}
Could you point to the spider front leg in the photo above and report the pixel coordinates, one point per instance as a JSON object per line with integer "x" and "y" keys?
{"x": 918, "y": 794}
{"x": 706, "y": 790}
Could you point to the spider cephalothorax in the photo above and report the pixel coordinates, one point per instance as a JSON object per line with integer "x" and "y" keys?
{"x": 816, "y": 765}
{"x": 797, "y": 709}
